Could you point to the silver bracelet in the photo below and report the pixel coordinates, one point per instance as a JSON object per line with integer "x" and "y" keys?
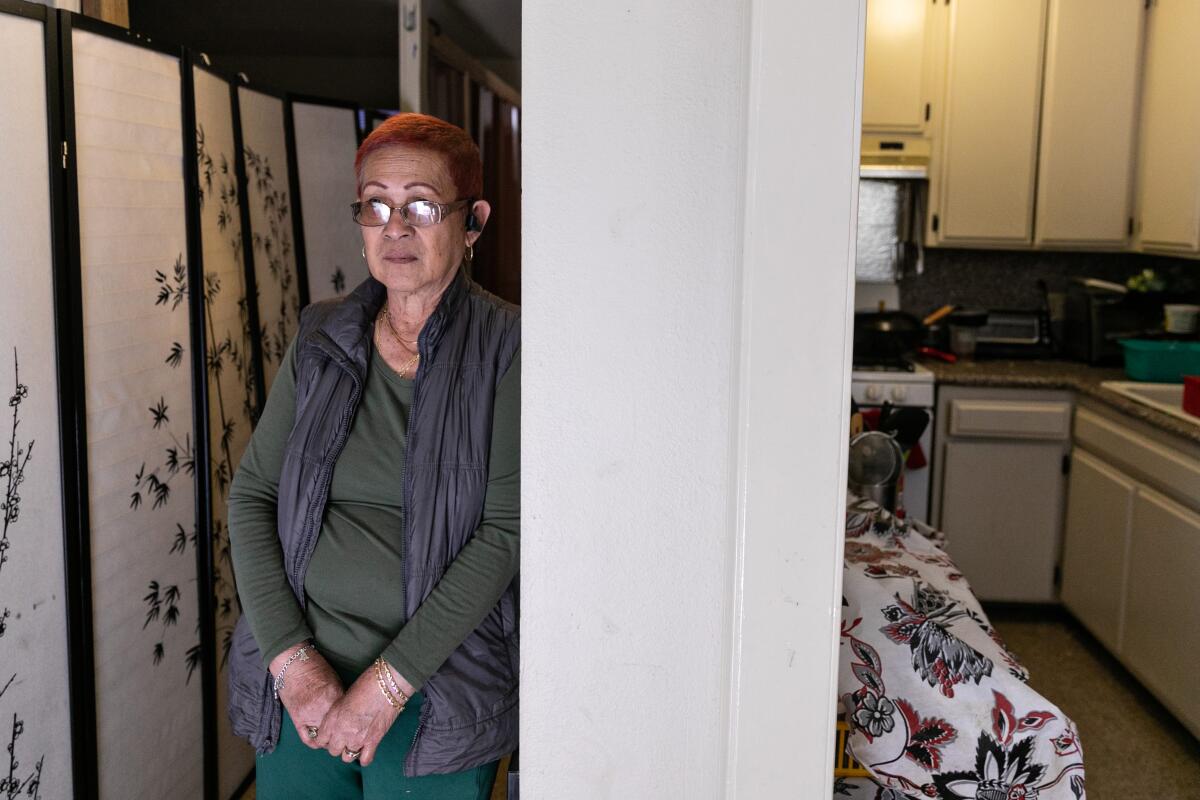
{"x": 301, "y": 654}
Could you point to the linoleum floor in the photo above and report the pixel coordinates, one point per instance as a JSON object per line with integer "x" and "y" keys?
{"x": 1133, "y": 748}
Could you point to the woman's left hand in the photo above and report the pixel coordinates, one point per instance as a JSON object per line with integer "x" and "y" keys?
{"x": 357, "y": 722}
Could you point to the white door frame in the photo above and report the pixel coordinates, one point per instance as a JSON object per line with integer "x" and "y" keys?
{"x": 802, "y": 155}
{"x": 689, "y": 203}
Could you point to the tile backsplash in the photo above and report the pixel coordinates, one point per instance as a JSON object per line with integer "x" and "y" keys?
{"x": 1008, "y": 279}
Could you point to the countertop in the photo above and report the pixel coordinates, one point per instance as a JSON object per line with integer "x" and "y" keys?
{"x": 1072, "y": 375}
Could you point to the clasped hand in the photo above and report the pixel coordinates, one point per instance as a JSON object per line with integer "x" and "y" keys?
{"x": 346, "y": 722}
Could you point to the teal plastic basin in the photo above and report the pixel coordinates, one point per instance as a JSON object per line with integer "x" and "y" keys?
{"x": 1161, "y": 362}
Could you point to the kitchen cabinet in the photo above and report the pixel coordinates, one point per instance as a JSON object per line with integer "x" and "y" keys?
{"x": 1096, "y": 545}
{"x": 999, "y": 487}
{"x": 1168, "y": 204}
{"x": 1132, "y": 552}
{"x": 987, "y": 157}
{"x": 1089, "y": 117}
{"x": 897, "y": 65}
{"x": 1162, "y": 625}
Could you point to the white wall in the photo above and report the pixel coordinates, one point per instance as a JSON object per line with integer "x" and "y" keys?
{"x": 684, "y": 392}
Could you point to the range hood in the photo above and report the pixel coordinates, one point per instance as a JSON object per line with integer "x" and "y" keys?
{"x": 894, "y": 157}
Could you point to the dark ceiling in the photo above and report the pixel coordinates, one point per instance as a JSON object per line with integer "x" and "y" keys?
{"x": 347, "y": 50}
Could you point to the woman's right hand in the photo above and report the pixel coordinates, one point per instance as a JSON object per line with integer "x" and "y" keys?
{"x": 310, "y": 687}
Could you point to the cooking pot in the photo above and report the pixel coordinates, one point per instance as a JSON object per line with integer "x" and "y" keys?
{"x": 886, "y": 335}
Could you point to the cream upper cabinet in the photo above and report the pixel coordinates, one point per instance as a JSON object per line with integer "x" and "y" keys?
{"x": 989, "y": 132}
{"x": 1169, "y": 160}
{"x": 896, "y": 61}
{"x": 1089, "y": 118}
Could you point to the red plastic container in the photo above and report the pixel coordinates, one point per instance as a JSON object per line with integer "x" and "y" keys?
{"x": 1191, "y": 394}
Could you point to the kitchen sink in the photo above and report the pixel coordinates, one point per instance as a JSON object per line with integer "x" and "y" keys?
{"x": 1164, "y": 397}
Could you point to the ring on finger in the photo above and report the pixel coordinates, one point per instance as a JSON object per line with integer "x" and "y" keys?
{"x": 311, "y": 730}
{"x": 352, "y": 753}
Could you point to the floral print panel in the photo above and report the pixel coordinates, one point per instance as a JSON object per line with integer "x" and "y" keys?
{"x": 232, "y": 380}
{"x": 937, "y": 706}
{"x": 138, "y": 393}
{"x": 326, "y": 142}
{"x": 35, "y": 725}
{"x": 264, "y": 149}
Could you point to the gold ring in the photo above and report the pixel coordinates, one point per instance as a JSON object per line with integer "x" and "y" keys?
{"x": 312, "y": 731}
{"x": 352, "y": 753}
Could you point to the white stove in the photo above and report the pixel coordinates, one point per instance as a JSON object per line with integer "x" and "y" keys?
{"x": 871, "y": 387}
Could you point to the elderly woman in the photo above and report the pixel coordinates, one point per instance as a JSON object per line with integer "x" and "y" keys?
{"x": 375, "y": 517}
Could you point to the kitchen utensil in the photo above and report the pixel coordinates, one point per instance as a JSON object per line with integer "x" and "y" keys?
{"x": 940, "y": 355}
{"x": 964, "y": 331}
{"x": 874, "y": 467}
{"x": 937, "y": 315}
{"x": 905, "y": 424}
{"x": 885, "y": 335}
{"x": 1180, "y": 317}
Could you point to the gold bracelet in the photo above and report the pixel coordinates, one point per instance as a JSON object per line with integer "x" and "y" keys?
{"x": 396, "y": 690}
{"x": 387, "y": 695}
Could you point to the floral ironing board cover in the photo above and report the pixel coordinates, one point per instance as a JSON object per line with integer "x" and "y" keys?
{"x": 937, "y": 706}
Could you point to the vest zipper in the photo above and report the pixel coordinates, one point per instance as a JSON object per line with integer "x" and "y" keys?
{"x": 409, "y": 759}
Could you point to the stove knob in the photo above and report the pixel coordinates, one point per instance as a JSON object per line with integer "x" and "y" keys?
{"x": 899, "y": 393}
{"x": 874, "y": 392}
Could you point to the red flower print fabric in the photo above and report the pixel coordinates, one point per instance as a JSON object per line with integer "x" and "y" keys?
{"x": 937, "y": 706}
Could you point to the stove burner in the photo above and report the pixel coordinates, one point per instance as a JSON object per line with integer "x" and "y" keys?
{"x": 884, "y": 365}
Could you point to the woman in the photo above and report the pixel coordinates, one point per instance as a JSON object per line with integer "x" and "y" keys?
{"x": 375, "y": 515}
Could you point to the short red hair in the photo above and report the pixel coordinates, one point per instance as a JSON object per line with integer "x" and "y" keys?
{"x": 422, "y": 131}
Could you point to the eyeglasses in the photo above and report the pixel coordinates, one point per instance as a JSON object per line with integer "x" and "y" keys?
{"x": 418, "y": 213}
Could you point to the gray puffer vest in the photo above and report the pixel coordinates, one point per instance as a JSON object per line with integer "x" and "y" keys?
{"x": 470, "y": 712}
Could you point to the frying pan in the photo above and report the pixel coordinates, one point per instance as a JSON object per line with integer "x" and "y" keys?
{"x": 885, "y": 335}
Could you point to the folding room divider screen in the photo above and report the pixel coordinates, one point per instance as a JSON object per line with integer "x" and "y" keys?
{"x": 138, "y": 348}
{"x": 35, "y": 718}
{"x": 269, "y": 201}
{"x": 230, "y": 323}
{"x": 152, "y": 242}
{"x": 326, "y": 140}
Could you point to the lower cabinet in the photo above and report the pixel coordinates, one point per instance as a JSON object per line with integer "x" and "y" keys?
{"x": 999, "y": 487}
{"x": 1162, "y": 616}
{"x": 1096, "y": 545}
{"x": 1131, "y": 554}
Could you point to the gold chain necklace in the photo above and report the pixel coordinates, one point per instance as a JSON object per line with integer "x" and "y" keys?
{"x": 407, "y": 365}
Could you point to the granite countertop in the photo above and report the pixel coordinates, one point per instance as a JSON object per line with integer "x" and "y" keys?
{"x": 1047, "y": 374}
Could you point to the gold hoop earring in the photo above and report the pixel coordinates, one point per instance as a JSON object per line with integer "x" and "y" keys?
{"x": 470, "y": 254}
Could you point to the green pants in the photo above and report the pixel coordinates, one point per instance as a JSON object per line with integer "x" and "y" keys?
{"x": 296, "y": 772}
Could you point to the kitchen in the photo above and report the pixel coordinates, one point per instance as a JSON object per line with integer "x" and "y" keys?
{"x": 1030, "y": 172}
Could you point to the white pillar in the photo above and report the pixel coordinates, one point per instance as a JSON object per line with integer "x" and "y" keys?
{"x": 689, "y": 174}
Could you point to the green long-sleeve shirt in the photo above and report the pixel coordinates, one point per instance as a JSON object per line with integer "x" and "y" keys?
{"x": 354, "y": 606}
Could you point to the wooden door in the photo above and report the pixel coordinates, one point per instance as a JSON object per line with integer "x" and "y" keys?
{"x": 1089, "y": 116}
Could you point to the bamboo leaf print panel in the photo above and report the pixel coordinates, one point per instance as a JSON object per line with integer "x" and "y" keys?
{"x": 138, "y": 391}
{"x": 264, "y": 143}
{"x": 34, "y": 715}
{"x": 231, "y": 375}
{"x": 326, "y": 142}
